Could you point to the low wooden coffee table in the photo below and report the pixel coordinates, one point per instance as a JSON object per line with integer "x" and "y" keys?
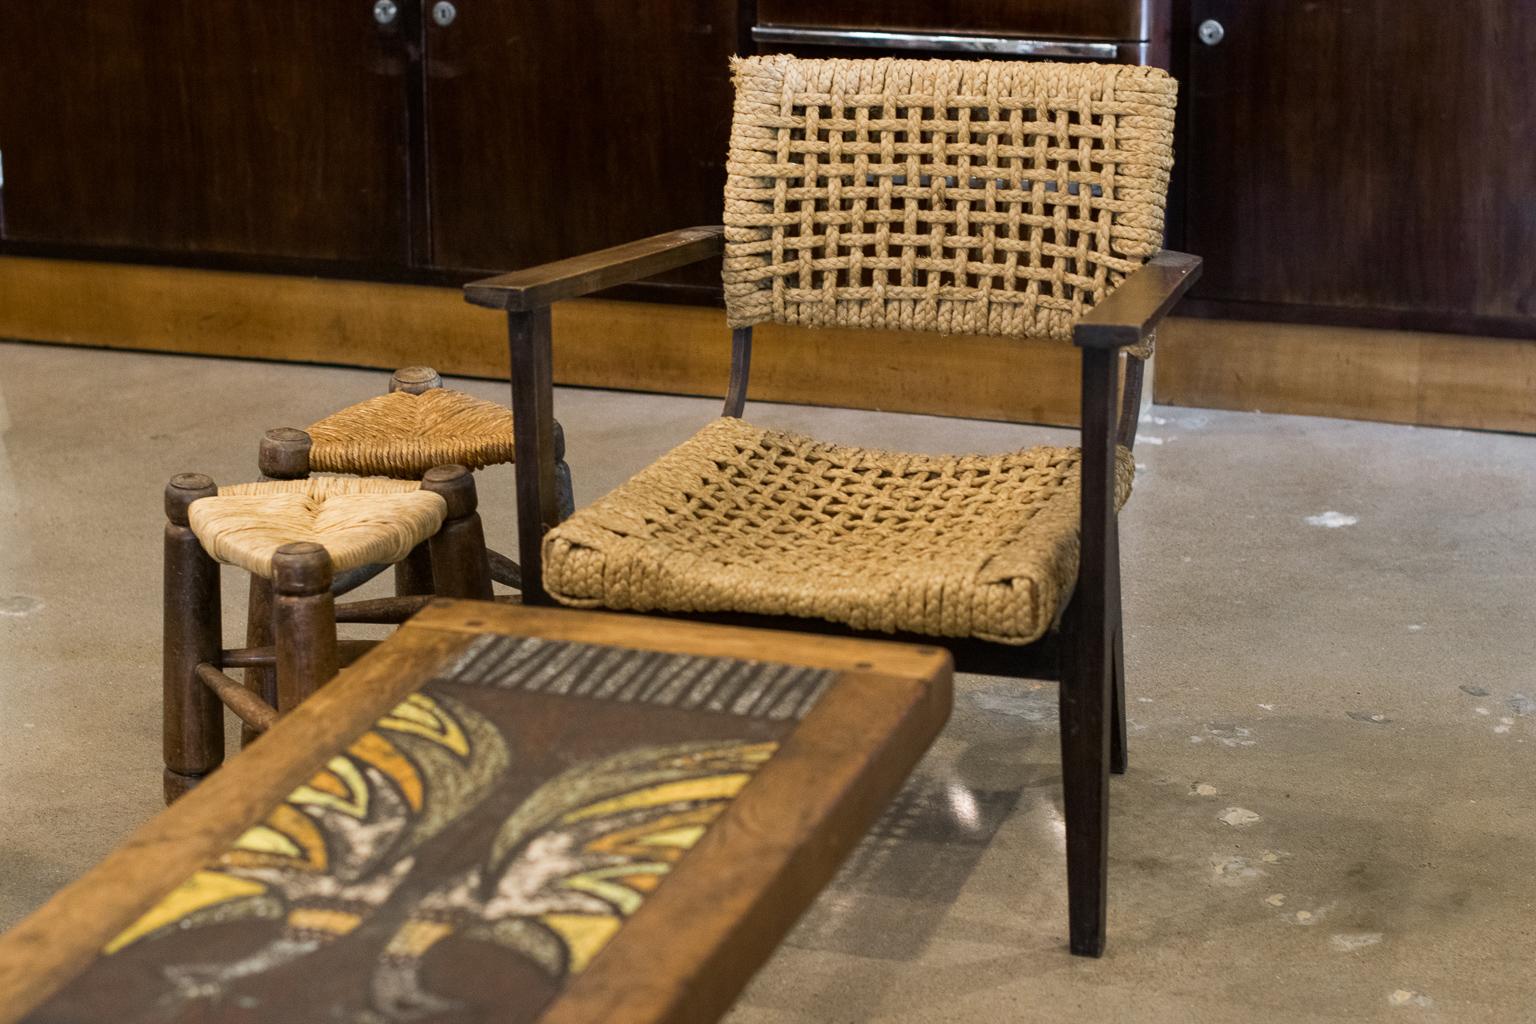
{"x": 502, "y": 813}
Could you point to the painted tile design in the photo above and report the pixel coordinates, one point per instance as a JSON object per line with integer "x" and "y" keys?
{"x": 477, "y": 847}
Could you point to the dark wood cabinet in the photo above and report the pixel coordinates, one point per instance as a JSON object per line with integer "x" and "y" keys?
{"x": 549, "y": 135}
{"x": 1364, "y": 161}
{"x": 1368, "y": 162}
{"x": 275, "y": 129}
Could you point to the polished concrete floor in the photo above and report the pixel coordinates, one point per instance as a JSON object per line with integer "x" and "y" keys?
{"x": 1331, "y": 808}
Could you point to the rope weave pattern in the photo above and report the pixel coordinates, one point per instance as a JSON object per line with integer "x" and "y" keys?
{"x": 403, "y": 435}
{"x": 743, "y": 519}
{"x": 358, "y": 520}
{"x": 981, "y": 197}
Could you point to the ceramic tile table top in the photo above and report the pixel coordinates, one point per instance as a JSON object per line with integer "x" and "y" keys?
{"x": 501, "y": 813}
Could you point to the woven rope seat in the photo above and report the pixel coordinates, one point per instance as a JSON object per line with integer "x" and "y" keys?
{"x": 743, "y": 519}
{"x": 358, "y": 520}
{"x": 404, "y": 435}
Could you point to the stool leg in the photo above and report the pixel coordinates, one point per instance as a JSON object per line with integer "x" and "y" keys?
{"x": 414, "y": 575}
{"x": 459, "y": 561}
{"x": 261, "y": 681}
{"x": 303, "y": 622}
{"x": 192, "y": 716}
{"x": 565, "y": 496}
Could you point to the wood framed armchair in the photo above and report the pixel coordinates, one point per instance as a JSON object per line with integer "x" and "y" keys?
{"x": 1000, "y": 198}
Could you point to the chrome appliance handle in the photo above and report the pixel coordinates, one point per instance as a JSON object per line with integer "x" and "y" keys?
{"x": 1008, "y": 46}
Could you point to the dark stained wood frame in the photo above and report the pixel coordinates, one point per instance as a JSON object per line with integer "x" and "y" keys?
{"x": 693, "y": 946}
{"x": 1087, "y": 642}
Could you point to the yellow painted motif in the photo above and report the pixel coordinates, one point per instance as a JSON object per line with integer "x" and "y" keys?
{"x": 321, "y": 919}
{"x": 679, "y": 838}
{"x": 204, "y": 889}
{"x": 354, "y": 802}
{"x": 416, "y": 937}
{"x": 422, "y": 716}
{"x": 373, "y": 749}
{"x": 584, "y": 935}
{"x": 712, "y": 787}
{"x": 265, "y": 839}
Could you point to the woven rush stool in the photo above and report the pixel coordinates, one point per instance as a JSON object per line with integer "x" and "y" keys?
{"x": 417, "y": 424}
{"x": 304, "y": 542}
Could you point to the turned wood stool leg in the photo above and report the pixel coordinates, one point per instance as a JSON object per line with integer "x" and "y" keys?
{"x": 414, "y": 575}
{"x": 458, "y": 549}
{"x": 192, "y": 716}
{"x": 565, "y": 496}
{"x": 303, "y": 622}
{"x": 261, "y": 680}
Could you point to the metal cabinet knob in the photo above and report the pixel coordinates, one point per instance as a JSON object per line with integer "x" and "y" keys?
{"x": 443, "y": 13}
{"x": 385, "y": 11}
{"x": 1212, "y": 32}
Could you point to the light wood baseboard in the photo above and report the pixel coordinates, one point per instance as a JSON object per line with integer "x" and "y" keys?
{"x": 598, "y": 343}
{"x": 1440, "y": 380}
{"x": 1394, "y": 376}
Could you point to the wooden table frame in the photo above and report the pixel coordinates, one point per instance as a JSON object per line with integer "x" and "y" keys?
{"x": 692, "y": 947}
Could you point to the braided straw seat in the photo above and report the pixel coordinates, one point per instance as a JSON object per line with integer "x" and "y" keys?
{"x": 403, "y": 434}
{"x": 980, "y": 197}
{"x": 743, "y": 519}
{"x": 359, "y": 521}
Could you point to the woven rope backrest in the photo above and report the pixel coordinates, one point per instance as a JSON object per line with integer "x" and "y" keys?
{"x": 978, "y": 197}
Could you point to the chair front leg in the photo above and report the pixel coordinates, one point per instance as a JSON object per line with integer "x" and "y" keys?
{"x": 1119, "y": 742}
{"x": 533, "y": 427}
{"x": 1087, "y": 679}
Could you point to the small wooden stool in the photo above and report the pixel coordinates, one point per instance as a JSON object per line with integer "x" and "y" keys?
{"x": 304, "y": 542}
{"x": 414, "y": 426}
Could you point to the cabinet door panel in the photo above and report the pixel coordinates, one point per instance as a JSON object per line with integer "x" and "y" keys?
{"x": 1365, "y": 155}
{"x": 275, "y": 128}
{"x": 557, "y": 129}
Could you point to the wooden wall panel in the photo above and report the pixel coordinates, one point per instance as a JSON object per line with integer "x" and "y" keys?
{"x": 598, "y": 343}
{"x": 1391, "y": 376}
{"x": 1395, "y": 376}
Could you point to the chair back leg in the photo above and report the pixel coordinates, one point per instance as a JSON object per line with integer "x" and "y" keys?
{"x": 303, "y": 622}
{"x": 192, "y": 716}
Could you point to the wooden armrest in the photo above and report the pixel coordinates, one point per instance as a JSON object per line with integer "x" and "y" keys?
{"x": 536, "y": 287}
{"x": 1133, "y": 310}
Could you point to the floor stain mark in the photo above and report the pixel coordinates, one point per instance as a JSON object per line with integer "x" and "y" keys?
{"x": 1332, "y": 520}
{"x": 1474, "y": 691}
{"x": 1353, "y": 942}
{"x": 1234, "y": 871}
{"x": 18, "y": 606}
{"x": 1238, "y": 817}
{"x": 1374, "y": 717}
